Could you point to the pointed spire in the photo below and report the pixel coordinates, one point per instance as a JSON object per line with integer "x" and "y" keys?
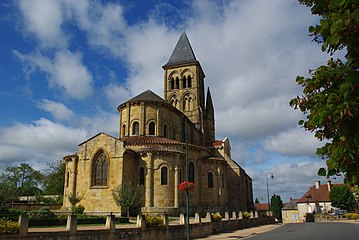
{"x": 209, "y": 103}
{"x": 182, "y": 53}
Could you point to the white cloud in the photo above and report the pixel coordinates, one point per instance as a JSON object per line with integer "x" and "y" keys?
{"x": 67, "y": 72}
{"x": 44, "y": 19}
{"x": 293, "y": 142}
{"x": 58, "y": 110}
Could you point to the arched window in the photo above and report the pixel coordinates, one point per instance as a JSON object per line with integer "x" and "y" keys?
{"x": 99, "y": 169}
{"x": 189, "y": 82}
{"x": 123, "y": 130}
{"x": 174, "y": 133}
{"x": 172, "y": 83}
{"x": 210, "y": 180}
{"x": 151, "y": 128}
{"x": 165, "y": 134}
{"x": 177, "y": 83}
{"x": 164, "y": 176}
{"x": 191, "y": 172}
{"x": 184, "y": 81}
{"x": 135, "y": 128}
{"x": 142, "y": 176}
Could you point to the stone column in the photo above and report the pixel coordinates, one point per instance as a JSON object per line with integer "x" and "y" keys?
{"x": 149, "y": 181}
{"x": 110, "y": 223}
{"x": 23, "y": 225}
{"x": 197, "y": 218}
{"x": 142, "y": 130}
{"x": 176, "y": 187}
{"x": 71, "y": 225}
{"x": 73, "y": 175}
{"x": 182, "y": 219}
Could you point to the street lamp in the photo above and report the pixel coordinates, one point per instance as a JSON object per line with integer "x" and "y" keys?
{"x": 272, "y": 176}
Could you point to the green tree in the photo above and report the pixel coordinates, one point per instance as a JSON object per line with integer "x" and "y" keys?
{"x": 54, "y": 178}
{"x": 331, "y": 95}
{"x": 128, "y": 196}
{"x": 256, "y": 201}
{"x": 341, "y": 197}
{"x": 8, "y": 194}
{"x": 276, "y": 205}
{"x": 24, "y": 177}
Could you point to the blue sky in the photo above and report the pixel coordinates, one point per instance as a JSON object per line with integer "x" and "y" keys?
{"x": 65, "y": 66}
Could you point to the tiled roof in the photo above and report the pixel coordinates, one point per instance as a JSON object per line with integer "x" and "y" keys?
{"x": 159, "y": 148}
{"x": 292, "y": 204}
{"x": 261, "y": 206}
{"x": 317, "y": 195}
{"x": 216, "y": 143}
{"x": 182, "y": 53}
{"x": 142, "y": 140}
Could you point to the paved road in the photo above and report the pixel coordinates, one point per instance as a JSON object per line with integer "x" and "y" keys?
{"x": 308, "y": 231}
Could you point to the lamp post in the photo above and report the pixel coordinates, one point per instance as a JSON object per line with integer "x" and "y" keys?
{"x": 272, "y": 176}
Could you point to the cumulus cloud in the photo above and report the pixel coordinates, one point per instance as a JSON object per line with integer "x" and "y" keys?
{"x": 58, "y": 110}
{"x": 293, "y": 142}
{"x": 67, "y": 72}
{"x": 44, "y": 19}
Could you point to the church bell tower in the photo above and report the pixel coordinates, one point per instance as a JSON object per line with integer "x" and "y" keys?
{"x": 184, "y": 82}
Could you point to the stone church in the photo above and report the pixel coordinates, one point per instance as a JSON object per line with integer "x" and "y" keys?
{"x": 155, "y": 137}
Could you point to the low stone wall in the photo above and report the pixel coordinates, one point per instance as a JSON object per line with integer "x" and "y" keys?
{"x": 169, "y": 232}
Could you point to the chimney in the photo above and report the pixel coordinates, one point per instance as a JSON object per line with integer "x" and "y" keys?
{"x": 329, "y": 185}
{"x": 317, "y": 184}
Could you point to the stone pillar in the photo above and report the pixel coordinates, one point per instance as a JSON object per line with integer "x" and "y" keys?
{"x": 110, "y": 223}
{"x": 234, "y": 215}
{"x": 255, "y": 214}
{"x": 149, "y": 181}
{"x": 71, "y": 225}
{"x": 226, "y": 216}
{"x": 176, "y": 187}
{"x": 165, "y": 218}
{"x": 23, "y": 225}
{"x": 128, "y": 119}
{"x": 252, "y": 215}
{"x": 240, "y": 215}
{"x": 197, "y": 218}
{"x": 73, "y": 175}
{"x": 140, "y": 221}
{"x": 208, "y": 217}
{"x": 182, "y": 219}
{"x": 142, "y": 130}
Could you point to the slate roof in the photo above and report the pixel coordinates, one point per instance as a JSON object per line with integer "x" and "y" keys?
{"x": 182, "y": 53}
{"x": 147, "y": 96}
{"x": 291, "y": 205}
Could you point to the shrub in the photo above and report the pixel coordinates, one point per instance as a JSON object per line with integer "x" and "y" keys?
{"x": 42, "y": 213}
{"x": 351, "y": 215}
{"x": 246, "y": 215}
{"x": 216, "y": 217}
{"x": 79, "y": 209}
{"x": 152, "y": 221}
{"x": 8, "y": 226}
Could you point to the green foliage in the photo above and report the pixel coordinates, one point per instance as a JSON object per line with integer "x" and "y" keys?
{"x": 276, "y": 205}
{"x": 55, "y": 178}
{"x": 354, "y": 216}
{"x": 246, "y": 215}
{"x": 79, "y": 209}
{"x": 257, "y": 201}
{"x": 8, "y": 194}
{"x": 331, "y": 95}
{"x": 42, "y": 213}
{"x": 128, "y": 196}
{"x": 74, "y": 199}
{"x": 8, "y": 226}
{"x": 341, "y": 197}
{"x": 216, "y": 217}
{"x": 152, "y": 221}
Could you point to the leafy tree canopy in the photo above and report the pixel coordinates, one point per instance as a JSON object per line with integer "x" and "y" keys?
{"x": 55, "y": 178}
{"x": 341, "y": 197}
{"x": 276, "y": 205}
{"x": 330, "y": 99}
{"x": 128, "y": 195}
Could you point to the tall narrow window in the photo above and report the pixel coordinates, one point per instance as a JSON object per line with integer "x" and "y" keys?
{"x": 184, "y": 81}
{"x": 191, "y": 172}
{"x": 123, "y": 130}
{"x": 67, "y": 179}
{"x": 172, "y": 83}
{"x": 142, "y": 176}
{"x": 164, "y": 176}
{"x": 177, "y": 83}
{"x": 99, "y": 169}
{"x": 210, "y": 180}
{"x": 165, "y": 134}
{"x": 151, "y": 128}
{"x": 135, "y": 128}
{"x": 189, "y": 82}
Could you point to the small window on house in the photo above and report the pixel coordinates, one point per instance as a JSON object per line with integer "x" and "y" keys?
{"x": 135, "y": 128}
{"x": 99, "y": 169}
{"x": 164, "y": 176}
{"x": 210, "y": 180}
{"x": 191, "y": 172}
{"x": 142, "y": 176}
{"x": 151, "y": 128}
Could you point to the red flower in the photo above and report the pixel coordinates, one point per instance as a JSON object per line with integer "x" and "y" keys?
{"x": 186, "y": 186}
